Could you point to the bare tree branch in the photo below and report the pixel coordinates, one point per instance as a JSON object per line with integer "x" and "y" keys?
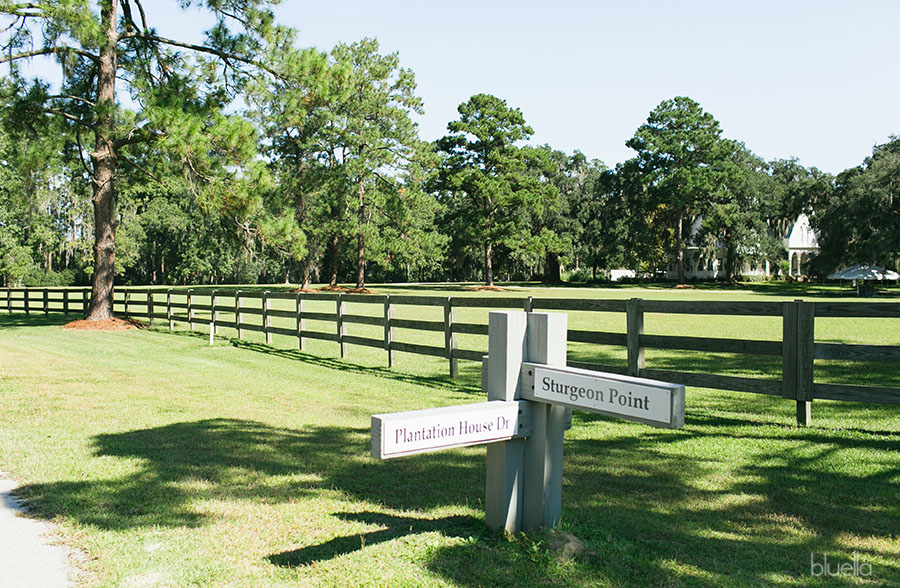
{"x": 224, "y": 55}
{"x": 75, "y": 98}
{"x": 70, "y": 117}
{"x": 49, "y": 51}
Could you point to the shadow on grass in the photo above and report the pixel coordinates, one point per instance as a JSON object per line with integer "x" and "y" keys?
{"x": 20, "y": 319}
{"x": 187, "y": 463}
{"x": 395, "y": 527}
{"x": 715, "y": 504}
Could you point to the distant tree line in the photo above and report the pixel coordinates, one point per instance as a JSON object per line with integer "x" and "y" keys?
{"x": 248, "y": 158}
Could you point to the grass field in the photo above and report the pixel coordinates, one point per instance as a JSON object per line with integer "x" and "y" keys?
{"x": 173, "y": 463}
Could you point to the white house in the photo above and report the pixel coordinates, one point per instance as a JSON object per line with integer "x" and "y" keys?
{"x": 799, "y": 241}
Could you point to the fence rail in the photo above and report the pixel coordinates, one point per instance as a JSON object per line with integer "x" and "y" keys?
{"x": 253, "y": 311}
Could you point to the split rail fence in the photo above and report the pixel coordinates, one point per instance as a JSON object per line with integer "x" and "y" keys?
{"x": 245, "y": 311}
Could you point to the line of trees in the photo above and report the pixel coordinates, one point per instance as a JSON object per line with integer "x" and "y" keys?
{"x": 247, "y": 158}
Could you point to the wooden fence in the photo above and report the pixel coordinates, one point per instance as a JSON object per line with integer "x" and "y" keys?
{"x": 798, "y": 349}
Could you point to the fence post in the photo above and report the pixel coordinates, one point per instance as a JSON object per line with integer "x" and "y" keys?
{"x": 65, "y": 303}
{"x": 341, "y": 328}
{"x": 46, "y": 302}
{"x": 505, "y": 460}
{"x": 301, "y": 322}
{"x": 85, "y": 301}
{"x": 9, "y": 300}
{"x": 545, "y": 343}
{"x": 127, "y": 299}
{"x": 450, "y": 336}
{"x": 212, "y": 318}
{"x": 237, "y": 314}
{"x": 190, "y": 308}
{"x": 265, "y": 316}
{"x": 169, "y": 309}
{"x": 150, "y": 306}
{"x": 529, "y": 304}
{"x": 635, "y": 328}
{"x": 798, "y": 340}
{"x": 806, "y": 318}
{"x": 25, "y": 293}
{"x": 388, "y": 329}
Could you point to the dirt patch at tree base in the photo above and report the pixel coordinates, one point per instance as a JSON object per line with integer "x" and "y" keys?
{"x": 347, "y": 290}
{"x": 111, "y": 324}
{"x": 486, "y": 289}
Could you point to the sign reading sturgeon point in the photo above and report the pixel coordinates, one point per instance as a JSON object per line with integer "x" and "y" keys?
{"x": 637, "y": 399}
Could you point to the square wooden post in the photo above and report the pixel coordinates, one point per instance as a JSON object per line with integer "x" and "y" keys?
{"x": 213, "y": 316}
{"x": 25, "y": 293}
{"x": 635, "y": 328}
{"x": 65, "y": 302}
{"x": 389, "y": 330}
{"x": 46, "y": 302}
{"x": 505, "y": 460}
{"x": 341, "y": 327}
{"x": 169, "y": 309}
{"x": 150, "y": 309}
{"x": 190, "y": 308}
{"x": 85, "y": 301}
{"x": 542, "y": 496}
{"x": 450, "y": 336}
{"x": 266, "y": 319}
{"x": 127, "y": 300}
{"x": 798, "y": 341}
{"x": 237, "y": 314}
{"x": 301, "y": 322}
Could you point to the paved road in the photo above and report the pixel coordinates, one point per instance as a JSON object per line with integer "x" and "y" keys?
{"x": 27, "y": 559}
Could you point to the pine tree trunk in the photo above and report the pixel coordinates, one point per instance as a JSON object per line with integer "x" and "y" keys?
{"x": 361, "y": 241}
{"x": 680, "y": 247}
{"x": 105, "y": 163}
{"x": 335, "y": 247}
{"x": 488, "y": 268}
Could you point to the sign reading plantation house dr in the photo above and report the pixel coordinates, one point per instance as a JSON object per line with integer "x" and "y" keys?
{"x": 530, "y": 393}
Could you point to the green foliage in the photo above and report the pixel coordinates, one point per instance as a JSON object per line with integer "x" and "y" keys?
{"x": 490, "y": 184}
{"x": 857, "y": 221}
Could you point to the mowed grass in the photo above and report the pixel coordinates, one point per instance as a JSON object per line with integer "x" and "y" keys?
{"x": 174, "y": 463}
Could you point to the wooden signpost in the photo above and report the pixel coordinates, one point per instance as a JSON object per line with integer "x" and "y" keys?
{"x": 530, "y": 391}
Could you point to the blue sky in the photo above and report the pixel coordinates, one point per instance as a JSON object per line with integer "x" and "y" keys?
{"x": 812, "y": 79}
{"x": 815, "y": 80}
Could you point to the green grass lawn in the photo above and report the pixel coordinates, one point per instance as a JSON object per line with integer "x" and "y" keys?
{"x": 174, "y": 463}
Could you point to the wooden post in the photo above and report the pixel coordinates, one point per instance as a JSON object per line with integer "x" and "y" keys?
{"x": 237, "y": 314}
{"x": 635, "y": 328}
{"x": 542, "y": 498}
{"x": 213, "y": 316}
{"x": 190, "y": 308}
{"x": 127, "y": 299}
{"x": 798, "y": 339}
{"x": 450, "y": 336}
{"x": 806, "y": 317}
{"x": 169, "y": 309}
{"x": 85, "y": 301}
{"x": 150, "y": 306}
{"x": 9, "y": 300}
{"x": 65, "y": 302}
{"x": 529, "y": 304}
{"x": 301, "y": 322}
{"x": 389, "y": 330}
{"x": 25, "y": 294}
{"x": 505, "y": 460}
{"x": 265, "y": 317}
{"x": 341, "y": 328}
{"x": 46, "y": 302}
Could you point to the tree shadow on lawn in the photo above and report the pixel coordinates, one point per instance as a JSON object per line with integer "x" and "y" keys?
{"x": 20, "y": 319}
{"x": 641, "y": 499}
{"x": 187, "y": 463}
